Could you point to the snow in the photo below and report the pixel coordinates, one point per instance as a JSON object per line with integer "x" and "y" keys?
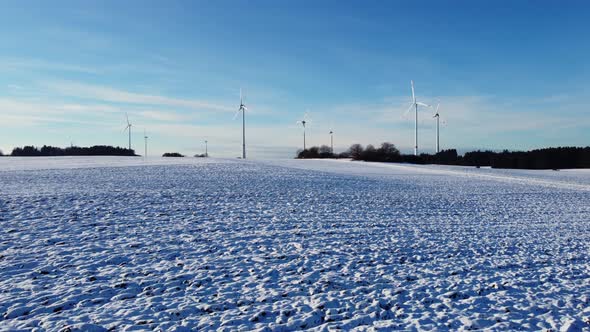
{"x": 111, "y": 243}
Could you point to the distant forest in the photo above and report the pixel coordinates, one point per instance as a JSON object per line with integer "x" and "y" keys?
{"x": 51, "y": 151}
{"x": 549, "y": 158}
{"x": 173, "y": 154}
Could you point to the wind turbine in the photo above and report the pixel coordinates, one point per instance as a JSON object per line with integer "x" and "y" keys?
{"x": 415, "y": 106}
{"x": 331, "y": 141}
{"x": 303, "y": 123}
{"x": 242, "y": 109}
{"x": 206, "y": 153}
{"x": 128, "y": 128}
{"x": 437, "y": 116}
{"x": 145, "y": 137}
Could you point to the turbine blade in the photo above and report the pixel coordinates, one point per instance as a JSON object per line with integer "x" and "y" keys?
{"x": 307, "y": 118}
{"x": 408, "y": 110}
{"x": 237, "y": 112}
{"x": 413, "y": 95}
{"x": 422, "y": 104}
{"x": 241, "y": 96}
{"x": 127, "y": 116}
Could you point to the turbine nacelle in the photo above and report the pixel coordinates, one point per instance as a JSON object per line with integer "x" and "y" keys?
{"x": 305, "y": 120}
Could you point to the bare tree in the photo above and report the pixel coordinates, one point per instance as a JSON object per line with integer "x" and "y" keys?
{"x": 356, "y": 151}
{"x": 325, "y": 150}
{"x": 389, "y": 149}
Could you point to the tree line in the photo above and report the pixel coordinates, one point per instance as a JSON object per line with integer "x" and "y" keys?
{"x": 52, "y": 151}
{"x": 548, "y": 158}
{"x": 173, "y": 155}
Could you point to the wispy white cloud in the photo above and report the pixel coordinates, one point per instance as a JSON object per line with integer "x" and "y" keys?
{"x": 18, "y": 64}
{"x": 39, "y": 112}
{"x": 169, "y": 116}
{"x": 18, "y": 113}
{"x": 14, "y": 86}
{"x": 109, "y": 94}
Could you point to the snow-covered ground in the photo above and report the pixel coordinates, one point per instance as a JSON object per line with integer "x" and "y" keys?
{"x": 207, "y": 244}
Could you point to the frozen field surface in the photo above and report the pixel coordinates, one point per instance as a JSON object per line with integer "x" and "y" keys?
{"x": 95, "y": 244}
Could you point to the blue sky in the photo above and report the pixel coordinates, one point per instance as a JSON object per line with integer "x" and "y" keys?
{"x": 508, "y": 74}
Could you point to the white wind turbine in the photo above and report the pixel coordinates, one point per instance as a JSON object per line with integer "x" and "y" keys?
{"x": 437, "y": 116}
{"x": 303, "y": 122}
{"x": 128, "y": 128}
{"x": 242, "y": 109}
{"x": 415, "y": 106}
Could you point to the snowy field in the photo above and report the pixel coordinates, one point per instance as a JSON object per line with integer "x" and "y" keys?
{"x": 193, "y": 244}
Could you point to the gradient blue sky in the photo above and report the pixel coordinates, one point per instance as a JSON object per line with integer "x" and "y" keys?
{"x": 508, "y": 74}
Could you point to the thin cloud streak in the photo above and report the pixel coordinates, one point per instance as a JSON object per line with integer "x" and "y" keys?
{"x": 37, "y": 64}
{"x": 108, "y": 94}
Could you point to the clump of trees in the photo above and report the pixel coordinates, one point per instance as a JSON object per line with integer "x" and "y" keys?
{"x": 1, "y": 154}
{"x": 387, "y": 152}
{"x": 321, "y": 152}
{"x": 51, "y": 151}
{"x": 202, "y": 155}
{"x": 549, "y": 158}
{"x": 172, "y": 154}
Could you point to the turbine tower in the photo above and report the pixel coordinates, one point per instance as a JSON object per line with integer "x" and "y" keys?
{"x": 331, "y": 141}
{"x": 206, "y": 153}
{"x": 128, "y": 128}
{"x": 303, "y": 123}
{"x": 415, "y": 106}
{"x": 145, "y": 137}
{"x": 242, "y": 109}
{"x": 437, "y": 116}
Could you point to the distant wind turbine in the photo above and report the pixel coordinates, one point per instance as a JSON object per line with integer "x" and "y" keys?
{"x": 331, "y": 141}
{"x": 145, "y": 137}
{"x": 206, "y": 153}
{"x": 128, "y": 128}
{"x": 303, "y": 122}
{"x": 242, "y": 109}
{"x": 437, "y": 116}
{"x": 415, "y": 106}
{"x": 331, "y": 138}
